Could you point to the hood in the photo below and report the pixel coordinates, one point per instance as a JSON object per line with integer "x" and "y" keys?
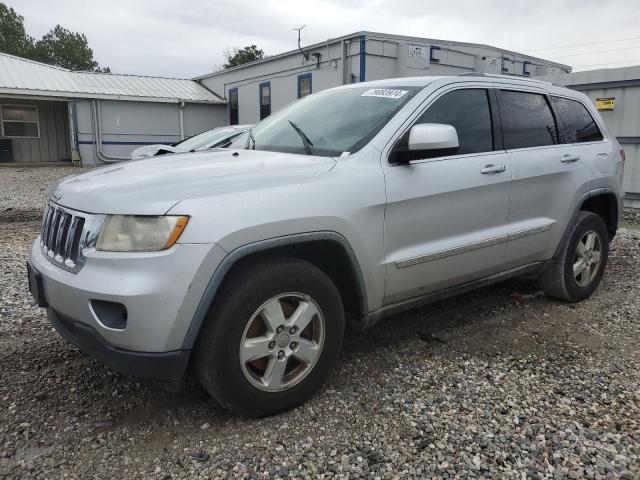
{"x": 152, "y": 186}
{"x": 150, "y": 150}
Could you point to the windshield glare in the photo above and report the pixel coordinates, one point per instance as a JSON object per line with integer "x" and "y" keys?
{"x": 205, "y": 139}
{"x": 328, "y": 123}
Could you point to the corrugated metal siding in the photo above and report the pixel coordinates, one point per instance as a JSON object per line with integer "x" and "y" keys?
{"x": 21, "y": 76}
{"x": 54, "y": 142}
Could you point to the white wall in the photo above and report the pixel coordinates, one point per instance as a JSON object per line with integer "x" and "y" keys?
{"x": 386, "y": 56}
{"x": 127, "y": 125}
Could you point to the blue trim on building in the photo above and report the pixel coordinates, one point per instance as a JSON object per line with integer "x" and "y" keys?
{"x": 260, "y": 85}
{"x": 301, "y": 77}
{"x": 363, "y": 58}
{"x": 433, "y": 59}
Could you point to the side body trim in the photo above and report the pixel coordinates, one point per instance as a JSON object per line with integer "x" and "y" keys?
{"x": 473, "y": 246}
{"x": 264, "y": 245}
{"x": 394, "y": 308}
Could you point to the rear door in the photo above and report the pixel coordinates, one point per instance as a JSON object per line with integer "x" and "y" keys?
{"x": 446, "y": 216}
{"x": 545, "y": 177}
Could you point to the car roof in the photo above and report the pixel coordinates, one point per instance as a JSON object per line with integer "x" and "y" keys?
{"x": 465, "y": 77}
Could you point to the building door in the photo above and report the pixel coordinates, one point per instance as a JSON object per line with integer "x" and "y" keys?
{"x": 5, "y": 151}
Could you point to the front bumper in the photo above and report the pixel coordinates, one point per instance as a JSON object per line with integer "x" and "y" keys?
{"x": 163, "y": 367}
{"x": 160, "y": 291}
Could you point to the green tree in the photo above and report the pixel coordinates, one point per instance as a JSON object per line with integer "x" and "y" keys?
{"x": 13, "y": 38}
{"x": 60, "y": 46}
{"x": 235, "y": 56}
{"x": 67, "y": 49}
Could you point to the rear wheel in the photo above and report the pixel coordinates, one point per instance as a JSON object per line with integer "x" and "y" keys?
{"x": 272, "y": 337}
{"x": 578, "y": 268}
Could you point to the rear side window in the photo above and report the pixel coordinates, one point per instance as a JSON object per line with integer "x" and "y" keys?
{"x": 527, "y": 120}
{"x": 467, "y": 111}
{"x": 578, "y": 124}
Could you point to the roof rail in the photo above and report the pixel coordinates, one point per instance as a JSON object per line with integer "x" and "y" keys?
{"x": 510, "y": 77}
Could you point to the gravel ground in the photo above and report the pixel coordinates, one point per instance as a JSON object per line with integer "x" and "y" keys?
{"x": 500, "y": 383}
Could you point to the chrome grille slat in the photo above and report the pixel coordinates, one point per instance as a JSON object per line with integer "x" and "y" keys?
{"x": 65, "y": 233}
{"x": 70, "y": 236}
{"x": 52, "y": 231}
{"x": 45, "y": 226}
{"x": 63, "y": 225}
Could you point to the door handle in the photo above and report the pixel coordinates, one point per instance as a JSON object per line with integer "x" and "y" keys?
{"x": 569, "y": 158}
{"x": 492, "y": 169}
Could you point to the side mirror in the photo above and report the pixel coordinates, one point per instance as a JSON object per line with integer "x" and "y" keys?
{"x": 426, "y": 140}
{"x": 433, "y": 136}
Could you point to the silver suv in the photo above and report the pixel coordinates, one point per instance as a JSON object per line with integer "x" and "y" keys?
{"x": 349, "y": 205}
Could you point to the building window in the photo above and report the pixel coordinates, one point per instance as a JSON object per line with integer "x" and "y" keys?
{"x": 233, "y": 106}
{"x": 304, "y": 85}
{"x": 19, "y": 121}
{"x": 265, "y": 99}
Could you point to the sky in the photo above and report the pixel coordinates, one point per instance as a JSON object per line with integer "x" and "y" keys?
{"x": 187, "y": 38}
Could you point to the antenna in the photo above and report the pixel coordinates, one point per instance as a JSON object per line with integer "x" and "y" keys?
{"x": 304, "y": 54}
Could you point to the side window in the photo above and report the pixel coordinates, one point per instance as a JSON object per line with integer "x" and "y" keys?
{"x": 578, "y": 124}
{"x": 304, "y": 85}
{"x": 467, "y": 111}
{"x": 527, "y": 120}
{"x": 233, "y": 106}
{"x": 265, "y": 100}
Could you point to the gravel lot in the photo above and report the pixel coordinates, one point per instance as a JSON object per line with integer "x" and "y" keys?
{"x": 500, "y": 383}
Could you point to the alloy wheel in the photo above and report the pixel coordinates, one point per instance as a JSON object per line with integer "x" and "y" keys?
{"x": 282, "y": 342}
{"x": 587, "y": 258}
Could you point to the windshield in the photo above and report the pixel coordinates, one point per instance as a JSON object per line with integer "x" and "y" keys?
{"x": 328, "y": 123}
{"x": 206, "y": 139}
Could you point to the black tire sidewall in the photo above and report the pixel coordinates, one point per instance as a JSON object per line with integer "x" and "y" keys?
{"x": 588, "y": 221}
{"x": 219, "y": 366}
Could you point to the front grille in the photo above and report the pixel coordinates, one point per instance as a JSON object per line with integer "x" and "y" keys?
{"x": 64, "y": 235}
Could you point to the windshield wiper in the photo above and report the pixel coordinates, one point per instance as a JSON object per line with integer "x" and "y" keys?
{"x": 305, "y": 140}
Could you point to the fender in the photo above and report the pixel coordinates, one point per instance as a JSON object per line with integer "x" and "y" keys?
{"x": 261, "y": 246}
{"x": 576, "y": 210}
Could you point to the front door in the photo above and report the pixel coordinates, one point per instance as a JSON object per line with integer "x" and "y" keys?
{"x": 446, "y": 217}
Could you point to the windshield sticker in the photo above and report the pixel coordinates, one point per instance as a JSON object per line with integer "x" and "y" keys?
{"x": 384, "y": 93}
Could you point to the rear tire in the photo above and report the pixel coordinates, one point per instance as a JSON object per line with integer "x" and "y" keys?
{"x": 257, "y": 383}
{"x": 576, "y": 271}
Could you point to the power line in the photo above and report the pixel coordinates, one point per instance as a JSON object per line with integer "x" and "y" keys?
{"x": 584, "y": 44}
{"x": 593, "y": 53}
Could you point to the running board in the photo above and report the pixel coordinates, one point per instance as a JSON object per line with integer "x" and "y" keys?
{"x": 415, "y": 302}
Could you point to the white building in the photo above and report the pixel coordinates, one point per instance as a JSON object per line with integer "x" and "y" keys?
{"x": 256, "y": 89}
{"x": 50, "y": 114}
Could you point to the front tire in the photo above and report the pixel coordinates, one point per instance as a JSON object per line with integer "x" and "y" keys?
{"x": 272, "y": 337}
{"x": 578, "y": 268}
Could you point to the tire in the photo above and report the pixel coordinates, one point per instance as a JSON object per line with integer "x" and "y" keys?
{"x": 239, "y": 317}
{"x": 558, "y": 280}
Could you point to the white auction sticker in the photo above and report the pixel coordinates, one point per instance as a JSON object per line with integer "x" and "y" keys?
{"x": 384, "y": 93}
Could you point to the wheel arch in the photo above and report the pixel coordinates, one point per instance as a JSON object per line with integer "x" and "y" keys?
{"x": 327, "y": 250}
{"x": 603, "y": 202}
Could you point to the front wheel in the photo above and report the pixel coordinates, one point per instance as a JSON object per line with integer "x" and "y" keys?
{"x": 271, "y": 338}
{"x": 578, "y": 268}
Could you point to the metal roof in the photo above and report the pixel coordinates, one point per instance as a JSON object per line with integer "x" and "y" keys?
{"x": 19, "y": 76}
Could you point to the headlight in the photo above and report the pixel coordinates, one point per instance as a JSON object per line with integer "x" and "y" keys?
{"x": 133, "y": 233}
